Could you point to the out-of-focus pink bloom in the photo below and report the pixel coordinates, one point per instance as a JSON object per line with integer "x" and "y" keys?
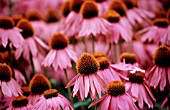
{"x": 138, "y": 87}
{"x": 159, "y": 74}
{"x": 61, "y": 53}
{"x": 52, "y": 100}
{"x": 92, "y": 23}
{"x": 59, "y": 75}
{"x": 9, "y": 86}
{"x": 31, "y": 43}
{"x": 20, "y": 103}
{"x": 103, "y": 6}
{"x": 19, "y": 77}
{"x": 116, "y": 98}
{"x": 150, "y": 5}
{"x": 136, "y": 15}
{"x": 106, "y": 72}
{"x": 87, "y": 80}
{"x": 116, "y": 31}
{"x": 10, "y": 33}
{"x": 38, "y": 84}
{"x": 157, "y": 33}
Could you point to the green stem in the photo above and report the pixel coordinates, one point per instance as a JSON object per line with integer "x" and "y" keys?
{"x": 115, "y": 53}
{"x": 10, "y": 4}
{"x": 85, "y": 46}
{"x": 93, "y": 45}
{"x": 69, "y": 89}
{"x": 120, "y": 47}
{"x": 32, "y": 66}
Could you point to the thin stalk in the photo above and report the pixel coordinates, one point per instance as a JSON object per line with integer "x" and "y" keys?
{"x": 85, "y": 46}
{"x": 69, "y": 89}
{"x": 115, "y": 53}
{"x": 93, "y": 45}
{"x": 32, "y": 66}
{"x": 110, "y": 45}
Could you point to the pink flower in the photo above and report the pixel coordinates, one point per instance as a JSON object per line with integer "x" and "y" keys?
{"x": 135, "y": 14}
{"x": 116, "y": 98}
{"x": 9, "y": 86}
{"x": 19, "y": 77}
{"x": 103, "y": 6}
{"x": 157, "y": 33}
{"x": 20, "y": 103}
{"x": 159, "y": 74}
{"x": 31, "y": 43}
{"x": 92, "y": 23}
{"x": 87, "y": 80}
{"x": 106, "y": 72}
{"x": 61, "y": 53}
{"x": 138, "y": 87}
{"x": 9, "y": 33}
{"x": 38, "y": 84}
{"x": 53, "y": 100}
{"x": 117, "y": 31}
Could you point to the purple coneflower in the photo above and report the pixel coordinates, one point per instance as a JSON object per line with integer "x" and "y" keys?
{"x": 87, "y": 80}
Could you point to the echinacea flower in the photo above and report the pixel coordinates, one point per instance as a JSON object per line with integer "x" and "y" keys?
{"x": 159, "y": 74}
{"x": 116, "y": 98}
{"x": 106, "y": 72}
{"x": 136, "y": 15}
{"x": 73, "y": 20}
{"x": 138, "y": 87}
{"x": 61, "y": 53}
{"x": 10, "y": 33}
{"x": 38, "y": 84}
{"x": 20, "y": 103}
{"x": 116, "y": 31}
{"x": 157, "y": 33}
{"x": 87, "y": 80}
{"x": 103, "y": 6}
{"x": 31, "y": 43}
{"x": 36, "y": 20}
{"x": 121, "y": 8}
{"x": 26, "y": 91}
{"x": 53, "y": 100}
{"x": 92, "y": 23}
{"x": 8, "y": 85}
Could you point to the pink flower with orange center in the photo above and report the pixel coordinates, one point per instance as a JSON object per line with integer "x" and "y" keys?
{"x": 159, "y": 74}
{"x": 116, "y": 98}
{"x": 87, "y": 80}
{"x": 61, "y": 53}
{"x": 10, "y": 33}
{"x": 9, "y": 86}
{"x": 52, "y": 99}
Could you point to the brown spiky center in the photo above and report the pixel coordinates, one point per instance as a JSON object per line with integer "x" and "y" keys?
{"x": 161, "y": 22}
{"x": 6, "y": 58}
{"x": 162, "y": 56}
{"x": 76, "y": 5}
{"x": 27, "y": 28}
{"x": 66, "y": 8}
{"x": 50, "y": 93}
{"x": 129, "y": 58}
{"x": 99, "y": 1}
{"x": 26, "y": 90}
{"x": 20, "y": 101}
{"x": 119, "y": 7}
{"x": 89, "y": 9}
{"x": 58, "y": 41}
{"x": 17, "y": 18}
{"x": 39, "y": 83}
{"x": 103, "y": 62}
{"x": 52, "y": 16}
{"x": 136, "y": 77}
{"x": 130, "y": 3}
{"x": 6, "y": 22}
{"x": 116, "y": 88}
{"x": 112, "y": 16}
{"x": 87, "y": 64}
{"x": 5, "y": 72}
{"x": 33, "y": 15}
{"x": 99, "y": 54}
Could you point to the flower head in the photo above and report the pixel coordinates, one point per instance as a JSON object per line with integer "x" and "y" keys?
{"x": 5, "y": 72}
{"x": 33, "y": 15}
{"x": 52, "y": 99}
{"x": 66, "y": 8}
{"x": 6, "y": 22}
{"x": 52, "y": 16}
{"x": 76, "y": 5}
{"x": 129, "y": 58}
